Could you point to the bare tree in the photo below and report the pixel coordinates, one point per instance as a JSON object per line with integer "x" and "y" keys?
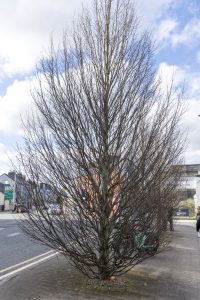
{"x": 104, "y": 137}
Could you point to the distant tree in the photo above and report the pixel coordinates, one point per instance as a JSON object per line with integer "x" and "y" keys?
{"x": 104, "y": 136}
{"x": 188, "y": 203}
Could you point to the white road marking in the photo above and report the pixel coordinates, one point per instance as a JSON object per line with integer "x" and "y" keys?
{"x": 27, "y": 266}
{"x": 1, "y": 228}
{"x": 25, "y": 261}
{"x": 13, "y": 234}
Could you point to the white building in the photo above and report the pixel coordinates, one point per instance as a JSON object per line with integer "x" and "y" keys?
{"x": 15, "y": 189}
{"x": 9, "y": 187}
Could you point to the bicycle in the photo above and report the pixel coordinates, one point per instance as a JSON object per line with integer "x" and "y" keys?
{"x": 148, "y": 243}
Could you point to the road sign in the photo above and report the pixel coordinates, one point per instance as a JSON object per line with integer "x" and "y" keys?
{"x": 8, "y": 194}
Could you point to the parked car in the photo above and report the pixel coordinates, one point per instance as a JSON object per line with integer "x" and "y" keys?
{"x": 181, "y": 213}
{"x": 21, "y": 208}
{"x": 54, "y": 209}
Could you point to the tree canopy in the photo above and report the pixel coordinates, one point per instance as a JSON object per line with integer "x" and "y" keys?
{"x": 106, "y": 138}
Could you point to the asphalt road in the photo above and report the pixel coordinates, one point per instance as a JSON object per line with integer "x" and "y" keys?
{"x": 15, "y": 247}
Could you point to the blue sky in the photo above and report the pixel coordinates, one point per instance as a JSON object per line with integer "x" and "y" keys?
{"x": 25, "y": 31}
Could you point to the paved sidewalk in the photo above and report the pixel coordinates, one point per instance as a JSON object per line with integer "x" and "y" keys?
{"x": 170, "y": 275}
{"x": 9, "y": 215}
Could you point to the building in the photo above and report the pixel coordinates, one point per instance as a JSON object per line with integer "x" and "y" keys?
{"x": 16, "y": 189}
{"x": 2, "y": 201}
{"x": 9, "y": 186}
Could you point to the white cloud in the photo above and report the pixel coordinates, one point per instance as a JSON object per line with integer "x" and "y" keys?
{"x": 191, "y": 125}
{"x": 166, "y": 27}
{"x": 194, "y": 85}
{"x": 7, "y": 156}
{"x": 169, "y": 73}
{"x": 26, "y": 28}
{"x": 184, "y": 76}
{"x": 150, "y": 11}
{"x": 25, "y": 31}
{"x": 193, "y": 8}
{"x": 189, "y": 35}
{"x": 191, "y": 121}
{"x": 13, "y": 104}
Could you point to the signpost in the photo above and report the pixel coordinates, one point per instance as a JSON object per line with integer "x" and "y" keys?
{"x": 9, "y": 195}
